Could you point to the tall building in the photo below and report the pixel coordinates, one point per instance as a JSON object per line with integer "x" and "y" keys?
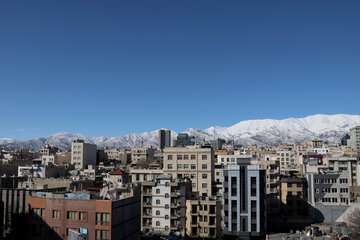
{"x": 83, "y": 154}
{"x": 183, "y": 140}
{"x": 82, "y": 214}
{"x": 195, "y": 163}
{"x": 163, "y": 204}
{"x": 354, "y": 141}
{"x": 244, "y": 201}
{"x": 164, "y": 138}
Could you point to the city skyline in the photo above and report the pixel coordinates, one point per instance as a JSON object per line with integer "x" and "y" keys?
{"x": 116, "y": 68}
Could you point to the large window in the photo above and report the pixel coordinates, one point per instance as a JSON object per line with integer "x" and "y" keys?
{"x": 71, "y": 215}
{"x": 253, "y": 186}
{"x": 38, "y": 211}
{"x": 102, "y": 218}
{"x": 56, "y": 214}
{"x": 102, "y": 235}
{"x": 82, "y": 216}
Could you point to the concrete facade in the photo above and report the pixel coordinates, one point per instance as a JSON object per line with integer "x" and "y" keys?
{"x": 192, "y": 162}
{"x": 83, "y": 154}
{"x": 244, "y": 201}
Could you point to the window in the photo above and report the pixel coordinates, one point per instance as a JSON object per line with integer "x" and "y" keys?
{"x": 179, "y": 157}
{"x": 170, "y": 157}
{"x": 167, "y": 195}
{"x": 55, "y": 214}
{"x": 193, "y": 166}
{"x": 102, "y": 218}
{"x": 166, "y": 206}
{"x": 157, "y": 223}
{"x": 82, "y": 216}
{"x": 157, "y": 212}
{"x": 192, "y": 157}
{"x": 102, "y": 235}
{"x": 186, "y": 166}
{"x": 157, "y": 191}
{"x": 157, "y": 201}
{"x": 71, "y": 215}
{"x": 166, "y": 217}
{"x": 253, "y": 186}
{"x": 186, "y": 157}
{"x": 204, "y": 185}
{"x": 38, "y": 211}
{"x": 169, "y": 166}
{"x": 204, "y": 166}
{"x": 204, "y": 176}
{"x": 203, "y": 157}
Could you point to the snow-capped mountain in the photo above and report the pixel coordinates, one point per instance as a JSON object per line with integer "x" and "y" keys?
{"x": 262, "y": 132}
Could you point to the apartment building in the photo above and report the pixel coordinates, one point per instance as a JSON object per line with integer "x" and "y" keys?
{"x": 48, "y": 150}
{"x": 121, "y": 155}
{"x": 293, "y": 196}
{"x": 183, "y": 140}
{"x": 164, "y": 138}
{"x": 195, "y": 163}
{"x": 287, "y": 157}
{"x": 354, "y": 141}
{"x": 140, "y": 175}
{"x": 79, "y": 212}
{"x": 163, "y": 205}
{"x": 203, "y": 218}
{"x": 83, "y": 154}
{"x": 343, "y": 163}
{"x": 142, "y": 155}
{"x": 225, "y": 159}
{"x": 328, "y": 188}
{"x": 244, "y": 201}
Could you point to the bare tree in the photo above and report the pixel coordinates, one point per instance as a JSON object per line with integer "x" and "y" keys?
{"x": 354, "y": 223}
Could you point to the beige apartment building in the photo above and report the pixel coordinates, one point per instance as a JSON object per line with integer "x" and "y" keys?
{"x": 203, "y": 218}
{"x": 191, "y": 162}
{"x": 83, "y": 154}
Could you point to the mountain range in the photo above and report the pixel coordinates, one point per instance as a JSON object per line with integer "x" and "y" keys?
{"x": 268, "y": 132}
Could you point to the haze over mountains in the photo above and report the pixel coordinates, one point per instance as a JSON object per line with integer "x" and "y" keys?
{"x": 262, "y": 132}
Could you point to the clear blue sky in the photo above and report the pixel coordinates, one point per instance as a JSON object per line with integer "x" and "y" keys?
{"x": 113, "y": 67}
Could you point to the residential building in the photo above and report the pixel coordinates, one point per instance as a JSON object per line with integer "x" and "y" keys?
{"x": 328, "y": 188}
{"x": 142, "y": 155}
{"x": 354, "y": 141}
{"x": 293, "y": 197}
{"x": 83, "y": 154}
{"x": 121, "y": 155}
{"x": 195, "y": 163}
{"x": 164, "y": 138}
{"x": 244, "y": 201}
{"x": 287, "y": 157}
{"x": 48, "y": 150}
{"x": 81, "y": 213}
{"x": 140, "y": 175}
{"x": 344, "y": 163}
{"x": 203, "y": 218}
{"x": 183, "y": 140}
{"x": 163, "y": 205}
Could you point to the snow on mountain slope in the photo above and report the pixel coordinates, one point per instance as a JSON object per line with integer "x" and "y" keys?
{"x": 263, "y": 132}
